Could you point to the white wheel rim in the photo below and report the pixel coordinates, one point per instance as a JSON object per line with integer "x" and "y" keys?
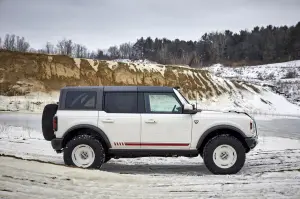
{"x": 83, "y": 156}
{"x": 224, "y": 156}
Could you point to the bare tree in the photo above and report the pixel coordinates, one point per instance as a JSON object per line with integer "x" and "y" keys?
{"x": 49, "y": 48}
{"x": 22, "y": 45}
{"x": 80, "y": 51}
{"x": 0, "y": 43}
{"x": 114, "y": 52}
{"x": 9, "y": 42}
{"x": 126, "y": 50}
{"x": 65, "y": 47}
{"x": 15, "y": 43}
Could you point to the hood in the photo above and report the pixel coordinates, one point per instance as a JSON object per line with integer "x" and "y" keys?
{"x": 227, "y": 111}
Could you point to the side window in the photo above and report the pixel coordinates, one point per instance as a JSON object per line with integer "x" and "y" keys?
{"x": 162, "y": 103}
{"x": 120, "y": 102}
{"x": 81, "y": 100}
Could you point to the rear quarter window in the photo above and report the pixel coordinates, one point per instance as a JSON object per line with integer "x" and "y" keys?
{"x": 81, "y": 100}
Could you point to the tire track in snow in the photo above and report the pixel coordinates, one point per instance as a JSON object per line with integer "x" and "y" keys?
{"x": 256, "y": 162}
{"x": 34, "y": 179}
{"x": 272, "y": 172}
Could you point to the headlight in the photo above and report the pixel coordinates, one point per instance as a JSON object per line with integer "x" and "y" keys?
{"x": 253, "y": 126}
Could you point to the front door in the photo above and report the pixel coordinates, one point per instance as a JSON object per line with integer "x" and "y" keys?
{"x": 164, "y": 126}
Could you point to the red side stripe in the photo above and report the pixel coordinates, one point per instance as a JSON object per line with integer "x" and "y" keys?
{"x": 155, "y": 144}
{"x": 132, "y": 144}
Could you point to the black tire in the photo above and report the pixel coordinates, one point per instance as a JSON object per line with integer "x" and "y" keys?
{"x": 227, "y": 140}
{"x": 107, "y": 158}
{"x": 47, "y": 119}
{"x": 95, "y": 144}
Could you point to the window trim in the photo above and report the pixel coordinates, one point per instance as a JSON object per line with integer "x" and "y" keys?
{"x": 84, "y": 108}
{"x": 132, "y": 92}
{"x": 177, "y": 92}
{"x": 147, "y": 103}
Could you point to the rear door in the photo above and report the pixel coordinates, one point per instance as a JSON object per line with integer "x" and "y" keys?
{"x": 120, "y": 119}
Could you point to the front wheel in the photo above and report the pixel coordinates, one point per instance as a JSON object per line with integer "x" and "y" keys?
{"x": 84, "y": 151}
{"x": 224, "y": 154}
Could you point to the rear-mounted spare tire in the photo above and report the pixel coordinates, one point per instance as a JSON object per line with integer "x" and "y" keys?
{"x": 47, "y": 121}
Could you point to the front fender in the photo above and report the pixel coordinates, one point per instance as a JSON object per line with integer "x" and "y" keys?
{"x": 234, "y": 129}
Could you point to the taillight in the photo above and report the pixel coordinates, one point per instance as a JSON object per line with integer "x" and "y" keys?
{"x": 54, "y": 123}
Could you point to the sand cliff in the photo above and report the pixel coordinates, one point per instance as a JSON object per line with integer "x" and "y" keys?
{"x": 23, "y": 73}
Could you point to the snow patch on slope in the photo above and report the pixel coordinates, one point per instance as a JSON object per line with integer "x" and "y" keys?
{"x": 263, "y": 103}
{"x": 282, "y": 78}
{"x": 150, "y": 68}
{"x": 268, "y": 71}
{"x": 77, "y": 62}
{"x": 112, "y": 65}
{"x": 94, "y": 64}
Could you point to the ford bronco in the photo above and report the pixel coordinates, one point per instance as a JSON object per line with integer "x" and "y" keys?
{"x": 92, "y": 124}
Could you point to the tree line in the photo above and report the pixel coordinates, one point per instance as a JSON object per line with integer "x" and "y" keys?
{"x": 258, "y": 46}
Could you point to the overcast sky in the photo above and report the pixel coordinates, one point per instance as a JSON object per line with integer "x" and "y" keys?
{"x": 102, "y": 23}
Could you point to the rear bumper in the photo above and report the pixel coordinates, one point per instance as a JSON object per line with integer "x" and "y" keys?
{"x": 251, "y": 142}
{"x": 56, "y": 144}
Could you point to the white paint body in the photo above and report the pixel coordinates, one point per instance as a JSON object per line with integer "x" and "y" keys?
{"x": 154, "y": 131}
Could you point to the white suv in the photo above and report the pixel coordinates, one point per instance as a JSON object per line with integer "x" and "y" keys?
{"x": 91, "y": 125}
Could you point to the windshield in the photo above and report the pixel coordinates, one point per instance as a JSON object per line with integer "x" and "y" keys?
{"x": 181, "y": 97}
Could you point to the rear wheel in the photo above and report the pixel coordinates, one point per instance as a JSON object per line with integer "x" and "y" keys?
{"x": 224, "y": 154}
{"x": 47, "y": 121}
{"x": 84, "y": 151}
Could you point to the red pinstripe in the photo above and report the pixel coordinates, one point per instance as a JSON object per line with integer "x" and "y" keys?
{"x": 155, "y": 144}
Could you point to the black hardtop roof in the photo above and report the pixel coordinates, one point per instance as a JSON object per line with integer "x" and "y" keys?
{"x": 122, "y": 88}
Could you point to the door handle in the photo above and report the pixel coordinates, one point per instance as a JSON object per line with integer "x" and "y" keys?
{"x": 150, "y": 121}
{"x": 108, "y": 121}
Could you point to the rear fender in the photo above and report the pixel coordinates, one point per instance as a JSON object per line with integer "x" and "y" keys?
{"x": 95, "y": 131}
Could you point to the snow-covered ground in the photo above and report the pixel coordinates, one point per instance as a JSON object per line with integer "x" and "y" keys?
{"x": 272, "y": 170}
{"x": 33, "y": 102}
{"x": 281, "y": 77}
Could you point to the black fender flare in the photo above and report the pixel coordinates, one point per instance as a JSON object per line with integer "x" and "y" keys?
{"x": 88, "y": 126}
{"x": 219, "y": 127}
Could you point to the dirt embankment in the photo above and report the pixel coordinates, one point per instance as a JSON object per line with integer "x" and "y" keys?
{"x": 22, "y": 73}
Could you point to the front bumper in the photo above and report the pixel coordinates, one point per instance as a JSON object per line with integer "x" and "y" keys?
{"x": 57, "y": 144}
{"x": 251, "y": 142}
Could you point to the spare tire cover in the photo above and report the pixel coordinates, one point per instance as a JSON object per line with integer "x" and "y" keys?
{"x": 47, "y": 119}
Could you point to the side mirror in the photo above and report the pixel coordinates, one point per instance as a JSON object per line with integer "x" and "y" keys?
{"x": 194, "y": 106}
{"x": 188, "y": 108}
